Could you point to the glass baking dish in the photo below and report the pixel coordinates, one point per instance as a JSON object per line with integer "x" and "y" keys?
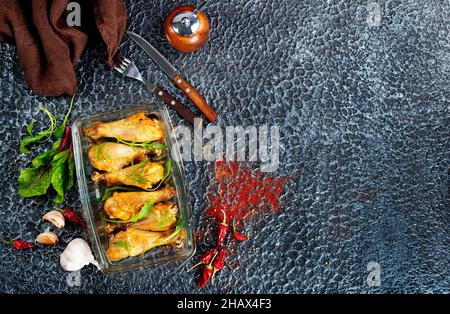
{"x": 90, "y": 193}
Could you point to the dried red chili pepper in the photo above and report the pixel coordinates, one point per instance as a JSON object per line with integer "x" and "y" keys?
{"x": 73, "y": 217}
{"x": 205, "y": 276}
{"x": 219, "y": 262}
{"x": 205, "y": 258}
{"x": 22, "y": 245}
{"x": 223, "y": 229}
{"x": 237, "y": 235}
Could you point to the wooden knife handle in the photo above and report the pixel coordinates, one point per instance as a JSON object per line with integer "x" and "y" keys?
{"x": 195, "y": 97}
{"x": 181, "y": 109}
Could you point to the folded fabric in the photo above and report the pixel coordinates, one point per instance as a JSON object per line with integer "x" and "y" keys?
{"x": 48, "y": 47}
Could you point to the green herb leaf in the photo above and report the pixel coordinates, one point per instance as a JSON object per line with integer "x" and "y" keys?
{"x": 109, "y": 191}
{"x": 154, "y": 145}
{"x": 145, "y": 210}
{"x": 122, "y": 244}
{"x": 178, "y": 228}
{"x": 59, "y": 131}
{"x": 180, "y": 224}
{"x": 30, "y": 128}
{"x": 69, "y": 182}
{"x": 47, "y": 156}
{"x": 33, "y": 182}
{"x": 166, "y": 174}
{"x": 145, "y": 145}
{"x": 40, "y": 137}
{"x": 28, "y": 140}
{"x": 58, "y": 174}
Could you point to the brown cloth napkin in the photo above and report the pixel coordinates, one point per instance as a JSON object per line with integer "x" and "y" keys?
{"x": 48, "y": 48}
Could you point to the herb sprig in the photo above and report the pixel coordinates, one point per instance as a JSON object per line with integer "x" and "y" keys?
{"x": 166, "y": 174}
{"x": 144, "y": 145}
{"x": 109, "y": 191}
{"x": 143, "y": 213}
{"x": 54, "y": 167}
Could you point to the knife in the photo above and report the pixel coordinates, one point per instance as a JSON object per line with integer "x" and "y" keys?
{"x": 175, "y": 76}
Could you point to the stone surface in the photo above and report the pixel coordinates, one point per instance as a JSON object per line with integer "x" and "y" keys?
{"x": 363, "y": 105}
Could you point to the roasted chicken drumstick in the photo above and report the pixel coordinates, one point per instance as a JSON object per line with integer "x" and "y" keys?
{"x": 134, "y": 242}
{"x": 111, "y": 156}
{"x": 162, "y": 217}
{"x": 136, "y": 128}
{"x": 123, "y": 205}
{"x": 142, "y": 175}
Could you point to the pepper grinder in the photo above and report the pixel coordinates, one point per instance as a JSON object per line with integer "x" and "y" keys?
{"x": 187, "y": 27}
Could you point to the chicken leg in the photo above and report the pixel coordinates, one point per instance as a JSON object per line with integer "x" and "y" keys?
{"x": 123, "y": 205}
{"x": 162, "y": 217}
{"x": 142, "y": 175}
{"x": 136, "y": 128}
{"x": 111, "y": 156}
{"x": 134, "y": 242}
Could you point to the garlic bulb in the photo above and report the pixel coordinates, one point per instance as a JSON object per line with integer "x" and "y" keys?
{"x": 77, "y": 255}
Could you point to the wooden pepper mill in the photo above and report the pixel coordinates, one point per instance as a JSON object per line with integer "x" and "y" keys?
{"x": 187, "y": 28}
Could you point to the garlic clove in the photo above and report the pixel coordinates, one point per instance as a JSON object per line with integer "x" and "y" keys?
{"x": 47, "y": 238}
{"x": 77, "y": 255}
{"x": 56, "y": 218}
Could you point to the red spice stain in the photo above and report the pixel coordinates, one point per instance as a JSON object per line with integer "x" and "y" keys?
{"x": 243, "y": 193}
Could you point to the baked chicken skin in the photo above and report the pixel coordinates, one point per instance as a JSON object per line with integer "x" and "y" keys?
{"x": 123, "y": 205}
{"x": 162, "y": 217}
{"x": 133, "y": 242}
{"x": 136, "y": 128}
{"x": 111, "y": 156}
{"x": 143, "y": 175}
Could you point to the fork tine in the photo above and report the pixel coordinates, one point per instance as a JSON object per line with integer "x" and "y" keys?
{"x": 118, "y": 66}
{"x": 127, "y": 60}
{"x": 123, "y": 66}
{"x": 117, "y": 57}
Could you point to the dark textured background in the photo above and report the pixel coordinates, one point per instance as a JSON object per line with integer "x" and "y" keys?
{"x": 364, "y": 115}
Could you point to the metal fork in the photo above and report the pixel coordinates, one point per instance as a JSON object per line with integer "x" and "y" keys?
{"x": 126, "y": 67}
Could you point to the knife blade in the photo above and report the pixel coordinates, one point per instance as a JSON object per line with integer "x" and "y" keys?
{"x": 175, "y": 76}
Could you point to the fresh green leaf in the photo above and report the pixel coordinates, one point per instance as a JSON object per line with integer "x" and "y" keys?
{"x": 58, "y": 174}
{"x": 40, "y": 137}
{"x": 51, "y": 167}
{"x": 166, "y": 174}
{"x": 179, "y": 226}
{"x": 59, "y": 131}
{"x": 122, "y": 244}
{"x": 154, "y": 145}
{"x": 145, "y": 210}
{"x": 109, "y": 191}
{"x": 47, "y": 156}
{"x": 69, "y": 182}
{"x": 30, "y": 128}
{"x": 167, "y": 169}
{"x": 33, "y": 182}
{"x": 145, "y": 145}
{"x": 28, "y": 140}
